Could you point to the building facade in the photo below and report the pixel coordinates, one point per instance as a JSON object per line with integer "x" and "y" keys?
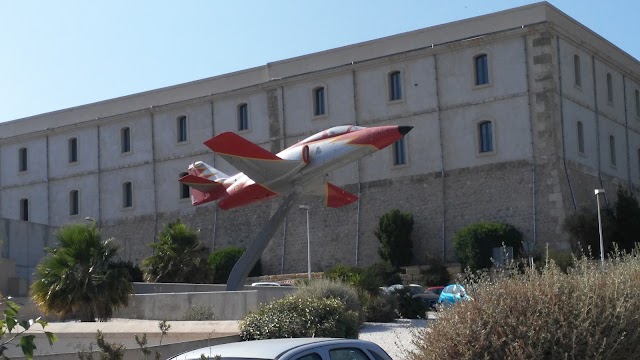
{"x": 517, "y": 116}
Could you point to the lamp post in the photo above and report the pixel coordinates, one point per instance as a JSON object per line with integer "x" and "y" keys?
{"x": 306, "y": 208}
{"x": 598, "y": 192}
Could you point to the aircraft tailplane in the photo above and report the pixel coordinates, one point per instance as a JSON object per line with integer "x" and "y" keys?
{"x": 337, "y": 197}
{"x": 205, "y": 181}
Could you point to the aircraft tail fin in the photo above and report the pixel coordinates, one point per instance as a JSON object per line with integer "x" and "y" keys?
{"x": 205, "y": 181}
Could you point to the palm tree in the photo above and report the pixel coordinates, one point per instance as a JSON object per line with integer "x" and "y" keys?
{"x": 178, "y": 257}
{"x": 77, "y": 278}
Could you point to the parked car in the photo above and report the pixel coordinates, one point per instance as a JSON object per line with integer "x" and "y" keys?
{"x": 435, "y": 289}
{"x": 428, "y": 297}
{"x": 413, "y": 289}
{"x": 291, "y": 349}
{"x": 452, "y": 294}
{"x": 265, "y": 283}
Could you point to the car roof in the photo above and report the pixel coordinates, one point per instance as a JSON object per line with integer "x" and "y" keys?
{"x": 256, "y": 349}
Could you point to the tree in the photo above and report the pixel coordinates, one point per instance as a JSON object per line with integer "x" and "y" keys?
{"x": 178, "y": 257}
{"x": 77, "y": 279}
{"x": 474, "y": 243}
{"x": 394, "y": 234}
{"x": 582, "y": 226}
{"x": 627, "y": 220}
{"x": 12, "y": 329}
{"x": 223, "y": 260}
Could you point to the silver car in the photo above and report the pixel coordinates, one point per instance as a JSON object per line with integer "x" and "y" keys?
{"x": 291, "y": 349}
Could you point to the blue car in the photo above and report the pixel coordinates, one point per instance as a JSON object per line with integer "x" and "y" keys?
{"x": 452, "y": 294}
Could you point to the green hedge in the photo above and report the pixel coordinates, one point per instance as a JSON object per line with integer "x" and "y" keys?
{"x": 300, "y": 316}
{"x": 474, "y": 243}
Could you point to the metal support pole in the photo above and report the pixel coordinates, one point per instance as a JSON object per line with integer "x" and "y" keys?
{"x": 597, "y": 192}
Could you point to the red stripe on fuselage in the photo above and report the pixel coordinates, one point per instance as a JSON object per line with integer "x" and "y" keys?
{"x": 379, "y": 137}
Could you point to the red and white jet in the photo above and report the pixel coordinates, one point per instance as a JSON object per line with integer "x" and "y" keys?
{"x": 300, "y": 167}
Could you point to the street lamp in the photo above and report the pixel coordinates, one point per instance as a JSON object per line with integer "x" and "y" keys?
{"x": 598, "y": 192}
{"x": 306, "y": 208}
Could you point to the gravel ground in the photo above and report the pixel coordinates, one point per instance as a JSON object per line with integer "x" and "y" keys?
{"x": 394, "y": 338}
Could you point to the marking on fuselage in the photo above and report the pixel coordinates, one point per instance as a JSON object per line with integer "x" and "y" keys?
{"x": 318, "y": 150}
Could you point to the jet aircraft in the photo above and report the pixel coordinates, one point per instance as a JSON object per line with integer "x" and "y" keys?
{"x": 298, "y": 168}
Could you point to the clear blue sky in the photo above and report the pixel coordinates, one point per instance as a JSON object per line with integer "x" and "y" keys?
{"x": 60, "y": 54}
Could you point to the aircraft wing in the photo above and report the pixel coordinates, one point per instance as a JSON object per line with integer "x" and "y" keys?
{"x": 260, "y": 165}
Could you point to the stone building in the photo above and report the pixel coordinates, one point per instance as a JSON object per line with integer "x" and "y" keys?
{"x": 518, "y": 116}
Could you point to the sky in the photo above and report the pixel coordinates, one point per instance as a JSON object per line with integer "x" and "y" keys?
{"x": 60, "y": 54}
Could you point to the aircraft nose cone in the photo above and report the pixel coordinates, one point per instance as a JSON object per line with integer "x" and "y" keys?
{"x": 404, "y": 129}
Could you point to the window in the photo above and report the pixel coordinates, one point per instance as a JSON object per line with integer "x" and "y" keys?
{"x": 243, "y": 117}
{"x": 127, "y": 195}
{"x": 481, "y": 67}
{"x": 182, "y": 128}
{"x": 312, "y": 356}
{"x": 347, "y": 354}
{"x": 580, "y": 138}
{"x": 637, "y": 103}
{"x": 395, "y": 86}
{"x": 125, "y": 140}
{"x": 609, "y": 88}
{"x": 318, "y": 101}
{"x": 576, "y": 70}
{"x": 74, "y": 204}
{"x": 399, "y": 152}
{"x": 612, "y": 150}
{"x": 24, "y": 209}
{"x": 485, "y": 137}
{"x": 22, "y": 159}
{"x": 73, "y": 150}
{"x": 184, "y": 189}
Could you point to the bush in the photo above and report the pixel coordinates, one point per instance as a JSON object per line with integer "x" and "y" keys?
{"x": 408, "y": 307}
{"x": 384, "y": 274}
{"x": 222, "y": 262}
{"x": 437, "y": 274}
{"x": 589, "y": 313}
{"x": 394, "y": 234}
{"x": 78, "y": 277}
{"x": 135, "y": 273}
{"x": 379, "y": 308}
{"x": 474, "y": 243}
{"x": 328, "y": 289}
{"x": 300, "y": 316}
{"x": 199, "y": 313}
{"x": 178, "y": 256}
{"x": 584, "y": 235}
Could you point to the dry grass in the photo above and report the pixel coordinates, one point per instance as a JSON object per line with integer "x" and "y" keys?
{"x": 587, "y": 313}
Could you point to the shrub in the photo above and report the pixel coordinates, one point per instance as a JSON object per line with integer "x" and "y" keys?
{"x": 223, "y": 260}
{"x": 582, "y": 227}
{"x": 437, "y": 274}
{"x": 408, "y": 307}
{"x": 394, "y": 234}
{"x": 379, "y": 308}
{"x": 328, "y": 289}
{"x": 78, "y": 278}
{"x": 199, "y": 313}
{"x": 589, "y": 313}
{"x": 135, "y": 273}
{"x": 384, "y": 274}
{"x": 300, "y": 316}
{"x": 474, "y": 243}
{"x": 178, "y": 257}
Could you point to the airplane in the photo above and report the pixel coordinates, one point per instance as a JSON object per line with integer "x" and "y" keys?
{"x": 301, "y": 167}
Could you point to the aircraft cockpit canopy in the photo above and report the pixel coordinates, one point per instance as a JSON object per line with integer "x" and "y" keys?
{"x": 332, "y": 132}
